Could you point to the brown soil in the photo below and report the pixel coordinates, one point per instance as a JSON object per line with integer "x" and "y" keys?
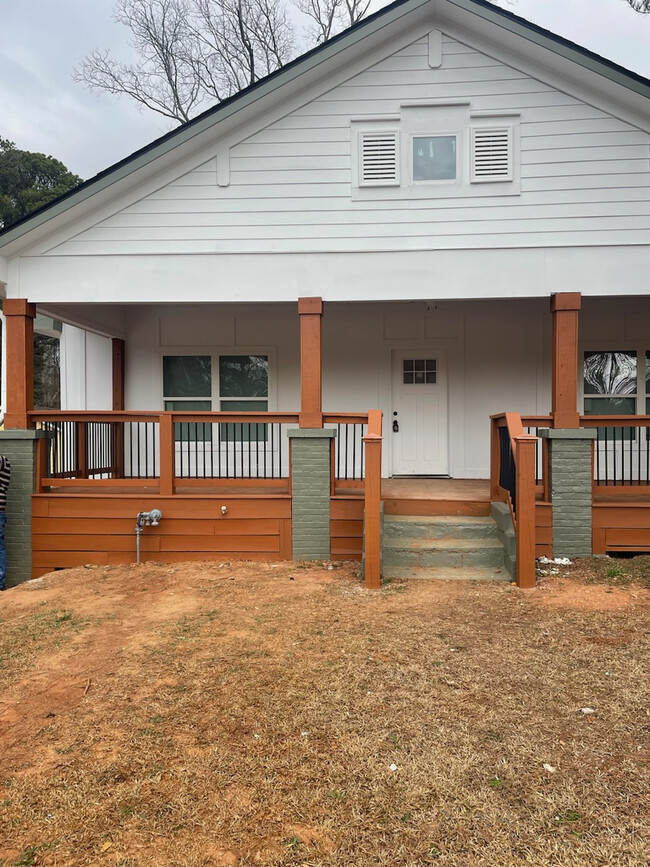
{"x": 234, "y": 714}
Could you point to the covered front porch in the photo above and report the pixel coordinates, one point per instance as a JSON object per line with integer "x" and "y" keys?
{"x": 235, "y": 483}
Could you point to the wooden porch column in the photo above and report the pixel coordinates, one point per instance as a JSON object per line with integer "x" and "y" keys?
{"x": 311, "y": 380}
{"x": 118, "y": 374}
{"x": 19, "y": 319}
{"x": 565, "y": 307}
{"x": 117, "y": 346}
{"x": 372, "y": 510}
{"x": 525, "y": 509}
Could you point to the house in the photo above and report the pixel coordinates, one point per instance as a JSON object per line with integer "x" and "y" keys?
{"x": 461, "y": 202}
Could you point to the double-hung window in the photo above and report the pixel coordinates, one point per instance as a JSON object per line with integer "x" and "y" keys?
{"x": 231, "y": 383}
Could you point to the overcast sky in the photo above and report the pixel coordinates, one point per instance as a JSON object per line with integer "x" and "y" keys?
{"x": 42, "y": 109}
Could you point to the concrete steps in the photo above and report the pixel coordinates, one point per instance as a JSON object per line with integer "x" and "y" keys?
{"x": 459, "y": 547}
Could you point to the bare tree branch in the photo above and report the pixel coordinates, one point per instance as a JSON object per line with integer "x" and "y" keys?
{"x": 193, "y": 52}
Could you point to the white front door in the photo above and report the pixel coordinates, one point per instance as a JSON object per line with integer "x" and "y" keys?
{"x": 418, "y": 422}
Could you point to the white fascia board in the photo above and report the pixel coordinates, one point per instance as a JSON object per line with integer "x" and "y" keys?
{"x": 299, "y": 71}
{"x": 547, "y": 58}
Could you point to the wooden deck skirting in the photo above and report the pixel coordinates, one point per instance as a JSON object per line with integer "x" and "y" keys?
{"x": 76, "y": 529}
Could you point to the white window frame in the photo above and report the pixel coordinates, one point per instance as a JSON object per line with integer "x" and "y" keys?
{"x": 215, "y": 397}
{"x": 456, "y": 134}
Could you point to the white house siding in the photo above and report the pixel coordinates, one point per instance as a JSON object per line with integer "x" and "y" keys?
{"x": 584, "y": 176}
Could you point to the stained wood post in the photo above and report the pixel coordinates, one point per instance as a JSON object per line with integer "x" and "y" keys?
{"x": 495, "y": 461}
{"x": 372, "y": 510}
{"x": 565, "y": 307}
{"x": 117, "y": 346}
{"x": 525, "y": 509}
{"x": 19, "y": 324}
{"x": 311, "y": 379}
{"x": 166, "y": 454}
{"x": 82, "y": 449}
{"x": 117, "y": 437}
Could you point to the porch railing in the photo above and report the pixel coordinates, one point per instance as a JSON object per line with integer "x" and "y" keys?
{"x": 513, "y": 477}
{"x": 166, "y": 447}
{"x": 187, "y": 448}
{"x": 621, "y": 450}
{"x": 349, "y": 448}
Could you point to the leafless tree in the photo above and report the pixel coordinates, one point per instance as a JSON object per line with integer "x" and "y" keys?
{"x": 191, "y": 53}
{"x": 328, "y": 17}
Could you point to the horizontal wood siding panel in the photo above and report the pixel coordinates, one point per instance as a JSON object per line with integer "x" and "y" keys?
{"x": 346, "y": 510}
{"x": 111, "y": 506}
{"x": 77, "y": 530}
{"x": 585, "y": 176}
{"x": 621, "y": 527}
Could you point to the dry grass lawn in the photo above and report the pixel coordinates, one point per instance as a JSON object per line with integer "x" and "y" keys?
{"x": 265, "y": 714}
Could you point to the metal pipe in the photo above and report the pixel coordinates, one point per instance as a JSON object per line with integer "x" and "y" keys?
{"x": 142, "y": 520}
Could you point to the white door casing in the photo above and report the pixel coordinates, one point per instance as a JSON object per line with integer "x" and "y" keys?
{"x": 419, "y": 406}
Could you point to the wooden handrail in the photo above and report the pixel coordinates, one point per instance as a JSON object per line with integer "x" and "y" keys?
{"x": 615, "y": 420}
{"x": 204, "y": 416}
{"x": 345, "y": 418}
{"x": 522, "y": 446}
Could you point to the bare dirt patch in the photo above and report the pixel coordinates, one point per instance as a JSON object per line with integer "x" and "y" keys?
{"x": 279, "y": 714}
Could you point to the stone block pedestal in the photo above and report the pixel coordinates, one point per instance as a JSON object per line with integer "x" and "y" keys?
{"x": 570, "y": 482}
{"x": 310, "y": 488}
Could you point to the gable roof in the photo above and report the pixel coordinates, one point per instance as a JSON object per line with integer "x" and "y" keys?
{"x": 508, "y": 21}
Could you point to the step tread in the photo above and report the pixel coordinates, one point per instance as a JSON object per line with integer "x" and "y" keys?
{"x": 440, "y": 519}
{"x": 447, "y": 573}
{"x": 453, "y": 544}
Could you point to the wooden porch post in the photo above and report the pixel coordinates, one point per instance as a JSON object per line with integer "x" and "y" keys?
{"x": 525, "y": 510}
{"x": 117, "y": 346}
{"x": 311, "y": 385}
{"x": 118, "y": 374}
{"x": 372, "y": 510}
{"x": 565, "y": 307}
{"x": 19, "y": 318}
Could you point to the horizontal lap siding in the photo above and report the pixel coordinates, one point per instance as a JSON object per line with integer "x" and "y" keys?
{"x": 76, "y": 530}
{"x": 346, "y": 528}
{"x": 621, "y": 527}
{"x": 584, "y": 176}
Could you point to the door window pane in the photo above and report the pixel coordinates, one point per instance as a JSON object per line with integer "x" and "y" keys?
{"x": 187, "y": 376}
{"x": 434, "y": 158}
{"x": 419, "y": 371}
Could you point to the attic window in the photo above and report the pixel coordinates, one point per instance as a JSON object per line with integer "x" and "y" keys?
{"x": 491, "y": 154}
{"x": 379, "y": 159}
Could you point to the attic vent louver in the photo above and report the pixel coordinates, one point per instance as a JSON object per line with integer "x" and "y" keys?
{"x": 379, "y": 157}
{"x": 491, "y": 154}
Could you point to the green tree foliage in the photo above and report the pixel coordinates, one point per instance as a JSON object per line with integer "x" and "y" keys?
{"x": 28, "y": 181}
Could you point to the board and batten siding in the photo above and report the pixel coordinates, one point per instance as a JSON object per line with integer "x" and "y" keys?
{"x": 585, "y": 176}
